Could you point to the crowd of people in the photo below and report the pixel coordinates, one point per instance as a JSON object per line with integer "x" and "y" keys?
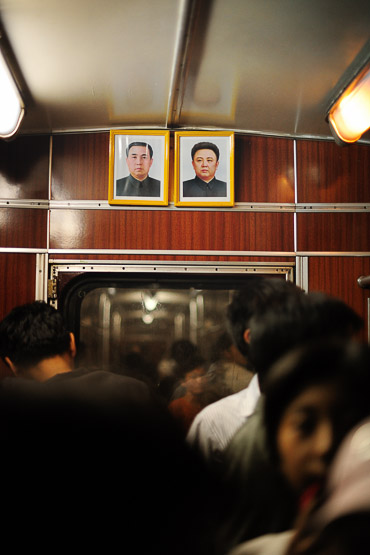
{"x": 265, "y": 449}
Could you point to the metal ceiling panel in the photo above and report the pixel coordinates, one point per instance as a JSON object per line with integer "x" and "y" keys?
{"x": 255, "y": 66}
{"x": 94, "y": 64}
{"x": 268, "y": 67}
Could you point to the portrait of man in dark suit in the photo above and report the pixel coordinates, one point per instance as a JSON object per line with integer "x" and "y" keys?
{"x": 205, "y": 160}
{"x": 139, "y": 159}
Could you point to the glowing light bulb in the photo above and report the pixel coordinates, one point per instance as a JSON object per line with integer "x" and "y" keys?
{"x": 350, "y": 115}
{"x": 11, "y": 107}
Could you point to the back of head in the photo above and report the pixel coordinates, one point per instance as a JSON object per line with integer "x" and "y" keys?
{"x": 75, "y": 453}
{"x": 258, "y": 294}
{"x": 31, "y": 333}
{"x": 331, "y": 316}
{"x": 182, "y": 350}
{"x": 287, "y": 322}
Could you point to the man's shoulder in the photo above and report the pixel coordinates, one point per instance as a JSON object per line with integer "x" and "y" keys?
{"x": 220, "y": 183}
{"x": 226, "y": 403}
{"x": 122, "y": 180}
{"x": 121, "y": 184}
{"x": 250, "y": 437}
{"x": 223, "y": 415}
{"x": 191, "y": 181}
{"x": 153, "y": 181}
{"x": 100, "y": 384}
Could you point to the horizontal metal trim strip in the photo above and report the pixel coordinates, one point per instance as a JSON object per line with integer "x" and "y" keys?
{"x": 24, "y": 250}
{"x": 224, "y": 265}
{"x": 170, "y": 269}
{"x": 170, "y": 252}
{"x": 326, "y": 207}
{"x": 238, "y": 207}
{"x": 180, "y": 252}
{"x": 332, "y": 253}
{"x": 29, "y": 203}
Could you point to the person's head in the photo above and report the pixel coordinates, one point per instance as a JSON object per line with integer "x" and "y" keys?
{"x": 190, "y": 372}
{"x": 32, "y": 334}
{"x": 340, "y": 524}
{"x": 257, "y": 294}
{"x": 139, "y": 158}
{"x": 194, "y": 380}
{"x": 205, "y": 159}
{"x": 284, "y": 323}
{"x": 183, "y": 350}
{"x": 224, "y": 348}
{"x": 314, "y": 394}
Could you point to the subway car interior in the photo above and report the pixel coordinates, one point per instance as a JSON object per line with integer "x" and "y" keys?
{"x": 134, "y": 273}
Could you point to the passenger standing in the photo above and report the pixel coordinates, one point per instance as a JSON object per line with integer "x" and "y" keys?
{"x": 263, "y": 502}
{"x": 313, "y": 397}
{"x": 216, "y": 424}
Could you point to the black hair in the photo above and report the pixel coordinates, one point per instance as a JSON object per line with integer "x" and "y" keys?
{"x": 222, "y": 343}
{"x": 140, "y": 143}
{"x": 205, "y": 145}
{"x": 345, "y": 364}
{"x": 31, "y": 333}
{"x": 279, "y": 326}
{"x": 258, "y": 294}
{"x": 182, "y": 350}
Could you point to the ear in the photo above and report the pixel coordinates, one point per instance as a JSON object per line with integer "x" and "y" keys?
{"x": 12, "y": 366}
{"x": 72, "y": 345}
{"x": 247, "y": 335}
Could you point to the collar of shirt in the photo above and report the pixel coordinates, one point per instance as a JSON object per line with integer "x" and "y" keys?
{"x": 136, "y": 182}
{"x": 250, "y": 397}
{"x": 204, "y": 185}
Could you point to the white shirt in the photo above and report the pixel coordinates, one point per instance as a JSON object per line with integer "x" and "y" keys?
{"x": 215, "y": 425}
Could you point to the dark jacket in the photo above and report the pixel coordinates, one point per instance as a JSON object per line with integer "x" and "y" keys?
{"x": 131, "y": 187}
{"x": 198, "y": 188}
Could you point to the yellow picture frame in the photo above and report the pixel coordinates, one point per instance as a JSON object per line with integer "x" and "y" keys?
{"x": 138, "y": 174}
{"x": 189, "y": 187}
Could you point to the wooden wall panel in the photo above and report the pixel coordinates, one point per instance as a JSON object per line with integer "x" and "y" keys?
{"x": 23, "y": 228}
{"x": 18, "y": 280}
{"x": 80, "y": 166}
{"x": 329, "y": 173}
{"x": 338, "y": 232}
{"x": 170, "y": 230}
{"x": 24, "y": 167}
{"x": 338, "y": 276}
{"x": 264, "y": 169}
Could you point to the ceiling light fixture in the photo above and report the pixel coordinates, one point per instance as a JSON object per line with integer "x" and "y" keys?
{"x": 12, "y": 108}
{"x": 348, "y": 113}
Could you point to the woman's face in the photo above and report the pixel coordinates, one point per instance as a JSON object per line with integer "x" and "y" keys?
{"x": 195, "y": 381}
{"x": 306, "y": 435}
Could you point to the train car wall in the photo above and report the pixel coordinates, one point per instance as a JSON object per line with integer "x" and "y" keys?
{"x": 294, "y": 199}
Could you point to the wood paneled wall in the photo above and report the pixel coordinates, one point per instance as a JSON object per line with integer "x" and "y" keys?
{"x": 316, "y": 198}
{"x": 139, "y": 229}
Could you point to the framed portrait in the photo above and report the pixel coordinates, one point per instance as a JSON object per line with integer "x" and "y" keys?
{"x": 138, "y": 167}
{"x": 204, "y": 168}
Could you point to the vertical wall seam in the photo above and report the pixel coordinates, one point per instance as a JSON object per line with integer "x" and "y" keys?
{"x": 295, "y": 194}
{"x": 49, "y": 192}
